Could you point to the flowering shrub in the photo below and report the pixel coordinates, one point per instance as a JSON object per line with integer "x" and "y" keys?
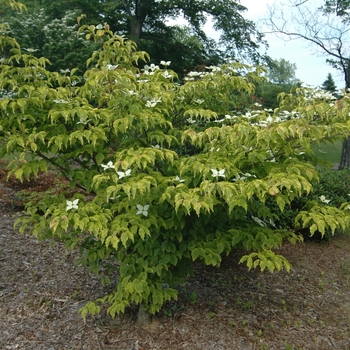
{"x": 333, "y": 188}
{"x": 165, "y": 174}
{"x": 55, "y": 39}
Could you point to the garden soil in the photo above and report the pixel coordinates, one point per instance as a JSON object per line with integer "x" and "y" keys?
{"x": 42, "y": 289}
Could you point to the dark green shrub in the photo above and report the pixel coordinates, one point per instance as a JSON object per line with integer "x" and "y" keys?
{"x": 334, "y": 186}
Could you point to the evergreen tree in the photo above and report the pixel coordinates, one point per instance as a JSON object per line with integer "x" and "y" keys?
{"x": 329, "y": 84}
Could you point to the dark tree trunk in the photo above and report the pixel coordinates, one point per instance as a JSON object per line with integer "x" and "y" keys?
{"x": 138, "y": 20}
{"x": 345, "y": 152}
{"x": 135, "y": 30}
{"x": 345, "y": 155}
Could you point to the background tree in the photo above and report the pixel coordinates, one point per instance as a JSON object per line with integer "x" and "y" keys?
{"x": 326, "y": 28}
{"x": 281, "y": 72}
{"x": 147, "y": 23}
{"x": 281, "y": 77}
{"x": 329, "y": 84}
{"x": 56, "y": 39}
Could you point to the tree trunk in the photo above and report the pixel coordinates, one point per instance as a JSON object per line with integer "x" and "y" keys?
{"x": 345, "y": 152}
{"x": 143, "y": 316}
{"x": 138, "y": 20}
{"x": 135, "y": 30}
{"x": 345, "y": 155}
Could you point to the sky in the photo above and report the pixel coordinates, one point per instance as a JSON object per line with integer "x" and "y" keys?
{"x": 312, "y": 69}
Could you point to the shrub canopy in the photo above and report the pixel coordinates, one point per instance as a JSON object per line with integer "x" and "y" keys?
{"x": 162, "y": 174}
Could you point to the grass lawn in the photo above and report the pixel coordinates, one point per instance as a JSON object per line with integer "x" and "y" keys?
{"x": 328, "y": 152}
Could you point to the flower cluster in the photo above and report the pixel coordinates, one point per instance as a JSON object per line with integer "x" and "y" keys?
{"x": 121, "y": 174}
{"x": 150, "y": 69}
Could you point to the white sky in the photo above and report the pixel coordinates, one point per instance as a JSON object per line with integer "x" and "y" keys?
{"x": 311, "y": 68}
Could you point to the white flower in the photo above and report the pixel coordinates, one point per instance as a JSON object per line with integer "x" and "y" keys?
{"x": 142, "y": 209}
{"x": 99, "y": 26}
{"x": 65, "y": 70}
{"x": 150, "y": 104}
{"x": 153, "y": 102}
{"x": 151, "y": 68}
{"x": 271, "y": 222}
{"x": 83, "y": 121}
{"x": 122, "y": 174}
{"x": 195, "y": 74}
{"x": 218, "y": 173}
{"x": 239, "y": 177}
{"x": 109, "y": 165}
{"x": 214, "y": 68}
{"x": 324, "y": 200}
{"x": 191, "y": 121}
{"x": 199, "y": 101}
{"x": 258, "y": 221}
{"x": 177, "y": 178}
{"x": 30, "y": 50}
{"x": 156, "y": 146}
{"x": 244, "y": 177}
{"x": 72, "y": 204}
{"x": 111, "y": 66}
{"x": 165, "y": 63}
{"x": 167, "y": 75}
{"x": 60, "y": 101}
{"x": 227, "y": 116}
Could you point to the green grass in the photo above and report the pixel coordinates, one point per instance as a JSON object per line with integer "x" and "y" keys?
{"x": 328, "y": 152}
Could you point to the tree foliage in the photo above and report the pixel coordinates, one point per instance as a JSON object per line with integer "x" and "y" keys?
{"x": 55, "y": 39}
{"x": 281, "y": 72}
{"x": 162, "y": 174}
{"x": 147, "y": 23}
{"x": 326, "y": 30}
{"x": 338, "y": 7}
{"x": 280, "y": 79}
{"x": 329, "y": 84}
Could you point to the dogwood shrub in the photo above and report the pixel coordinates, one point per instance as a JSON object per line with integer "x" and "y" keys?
{"x": 162, "y": 174}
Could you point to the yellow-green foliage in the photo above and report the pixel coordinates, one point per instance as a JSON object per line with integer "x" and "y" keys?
{"x": 165, "y": 174}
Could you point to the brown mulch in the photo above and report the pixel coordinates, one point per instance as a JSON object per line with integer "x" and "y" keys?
{"x": 42, "y": 289}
